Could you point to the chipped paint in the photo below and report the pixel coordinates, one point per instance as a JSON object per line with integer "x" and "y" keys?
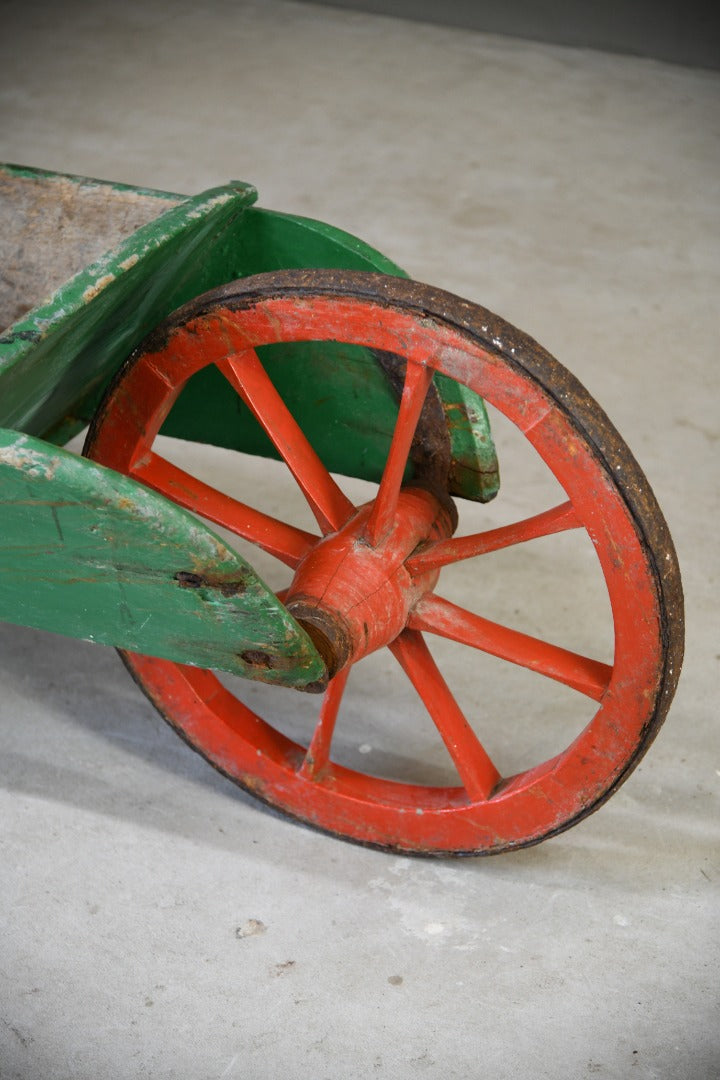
{"x": 22, "y": 454}
{"x": 92, "y": 554}
{"x": 31, "y": 369}
{"x": 92, "y": 290}
{"x": 41, "y": 385}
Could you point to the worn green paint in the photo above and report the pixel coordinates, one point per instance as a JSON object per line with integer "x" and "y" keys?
{"x": 91, "y": 554}
{"x": 349, "y": 419}
{"x": 56, "y": 362}
{"x": 474, "y": 471}
{"x": 48, "y": 176}
{"x": 63, "y": 353}
{"x": 86, "y": 552}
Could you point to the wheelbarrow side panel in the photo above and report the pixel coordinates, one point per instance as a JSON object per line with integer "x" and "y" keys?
{"x": 53, "y": 225}
{"x": 61, "y": 353}
{"x": 343, "y": 402}
{"x": 56, "y": 362}
{"x": 89, "y": 553}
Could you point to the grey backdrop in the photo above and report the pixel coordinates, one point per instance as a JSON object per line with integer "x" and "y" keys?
{"x": 684, "y": 33}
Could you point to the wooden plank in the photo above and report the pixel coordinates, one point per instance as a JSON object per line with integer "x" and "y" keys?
{"x": 89, "y": 553}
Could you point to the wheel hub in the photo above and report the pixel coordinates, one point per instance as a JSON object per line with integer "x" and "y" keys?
{"x": 352, "y": 597}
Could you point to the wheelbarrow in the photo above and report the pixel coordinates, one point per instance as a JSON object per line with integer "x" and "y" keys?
{"x": 289, "y": 347}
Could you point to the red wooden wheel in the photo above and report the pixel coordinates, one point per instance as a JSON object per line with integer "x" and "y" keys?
{"x": 372, "y": 577}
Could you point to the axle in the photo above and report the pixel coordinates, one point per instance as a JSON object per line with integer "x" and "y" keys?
{"x": 352, "y": 598}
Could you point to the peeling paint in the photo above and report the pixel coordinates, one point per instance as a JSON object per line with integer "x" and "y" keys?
{"x": 92, "y": 290}
{"x": 21, "y": 455}
{"x": 89, "y": 553}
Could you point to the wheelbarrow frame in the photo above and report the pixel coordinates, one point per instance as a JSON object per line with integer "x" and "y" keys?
{"x": 80, "y": 553}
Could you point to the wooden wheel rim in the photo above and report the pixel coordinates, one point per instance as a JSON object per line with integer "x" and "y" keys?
{"x": 608, "y": 493}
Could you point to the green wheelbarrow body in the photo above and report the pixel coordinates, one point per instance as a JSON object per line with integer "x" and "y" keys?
{"x": 91, "y": 554}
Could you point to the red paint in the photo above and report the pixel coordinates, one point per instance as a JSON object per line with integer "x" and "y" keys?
{"x": 438, "y": 616}
{"x": 364, "y": 574}
{"x": 286, "y": 542}
{"x": 559, "y": 519}
{"x": 327, "y": 502}
{"x": 366, "y": 591}
{"x": 384, "y": 511}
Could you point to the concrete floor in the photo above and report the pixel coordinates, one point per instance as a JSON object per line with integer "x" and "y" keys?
{"x": 156, "y": 922}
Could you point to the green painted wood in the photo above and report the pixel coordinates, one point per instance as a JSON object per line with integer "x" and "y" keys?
{"x": 337, "y": 392}
{"x": 62, "y": 352}
{"x": 347, "y": 412}
{"x": 56, "y": 362}
{"x": 91, "y": 554}
{"x": 88, "y": 553}
{"x": 53, "y": 225}
{"x": 474, "y": 470}
{"x": 49, "y": 176}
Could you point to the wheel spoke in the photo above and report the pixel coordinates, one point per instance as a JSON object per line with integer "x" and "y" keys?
{"x": 417, "y": 383}
{"x": 285, "y": 542}
{"x": 559, "y": 519}
{"x": 248, "y": 377}
{"x": 437, "y": 616}
{"x": 318, "y": 752}
{"x": 477, "y": 772}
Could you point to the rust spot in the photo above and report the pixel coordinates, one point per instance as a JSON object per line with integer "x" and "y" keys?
{"x": 231, "y": 588}
{"x": 187, "y": 579}
{"x": 257, "y": 658}
{"x": 317, "y": 687}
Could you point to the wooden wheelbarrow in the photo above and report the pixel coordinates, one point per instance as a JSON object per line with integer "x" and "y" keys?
{"x": 205, "y": 321}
